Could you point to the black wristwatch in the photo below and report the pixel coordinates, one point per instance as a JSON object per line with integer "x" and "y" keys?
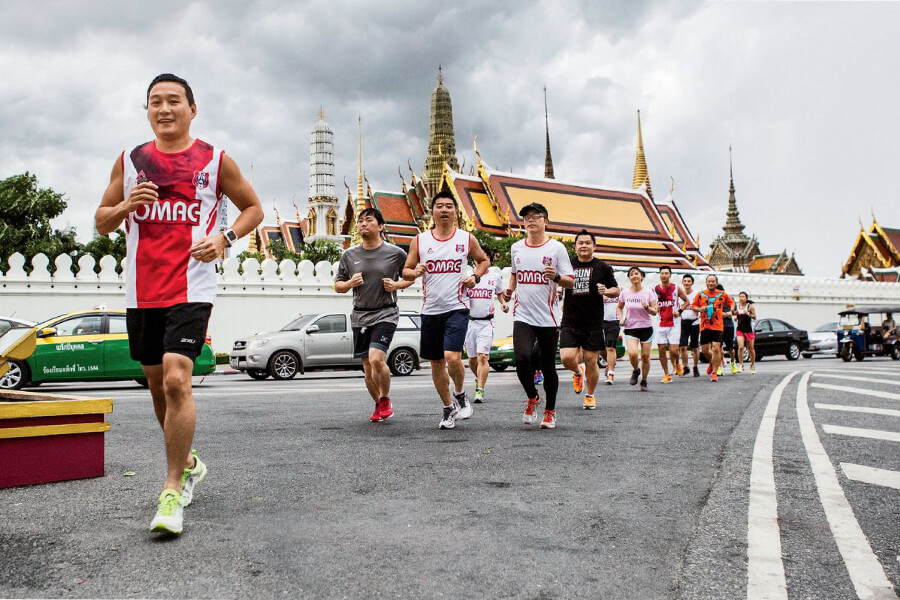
{"x": 556, "y": 278}
{"x": 230, "y": 237}
{"x": 477, "y": 278}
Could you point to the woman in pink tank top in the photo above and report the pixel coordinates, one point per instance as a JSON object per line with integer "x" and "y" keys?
{"x": 636, "y": 307}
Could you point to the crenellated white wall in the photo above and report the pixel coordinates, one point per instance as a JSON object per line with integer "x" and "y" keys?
{"x": 267, "y": 296}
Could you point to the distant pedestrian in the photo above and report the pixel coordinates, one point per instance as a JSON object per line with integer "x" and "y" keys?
{"x": 710, "y": 303}
{"x": 746, "y": 337}
{"x": 729, "y": 343}
{"x": 690, "y": 325}
{"x": 637, "y": 305}
{"x": 480, "y": 332}
{"x": 668, "y": 334}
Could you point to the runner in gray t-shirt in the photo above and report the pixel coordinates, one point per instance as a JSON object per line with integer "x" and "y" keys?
{"x": 373, "y": 270}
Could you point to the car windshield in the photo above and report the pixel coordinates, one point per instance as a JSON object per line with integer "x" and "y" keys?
{"x": 828, "y": 326}
{"x": 298, "y": 324}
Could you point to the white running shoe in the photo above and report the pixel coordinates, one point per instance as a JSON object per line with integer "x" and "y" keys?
{"x": 450, "y": 414}
{"x": 190, "y": 478}
{"x": 530, "y": 416}
{"x": 465, "y": 406}
{"x": 170, "y": 514}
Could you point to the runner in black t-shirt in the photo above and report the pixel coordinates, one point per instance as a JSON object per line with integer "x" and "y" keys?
{"x": 582, "y": 320}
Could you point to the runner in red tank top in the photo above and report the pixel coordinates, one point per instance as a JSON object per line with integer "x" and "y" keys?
{"x": 164, "y": 193}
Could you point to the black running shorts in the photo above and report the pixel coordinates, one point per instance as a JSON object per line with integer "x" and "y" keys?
{"x": 709, "y": 336}
{"x": 611, "y": 333}
{"x": 377, "y": 335}
{"x": 591, "y": 340}
{"x": 443, "y": 332}
{"x": 179, "y": 329}
{"x": 690, "y": 333}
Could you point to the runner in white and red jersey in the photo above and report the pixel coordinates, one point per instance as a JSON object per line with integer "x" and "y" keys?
{"x": 540, "y": 266}
{"x": 167, "y": 192}
{"x": 440, "y": 256}
{"x": 480, "y": 333}
{"x": 668, "y": 333}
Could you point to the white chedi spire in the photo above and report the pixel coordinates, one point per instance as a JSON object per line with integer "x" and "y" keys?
{"x": 321, "y": 160}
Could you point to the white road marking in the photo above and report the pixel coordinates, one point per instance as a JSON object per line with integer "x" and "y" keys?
{"x": 864, "y": 379}
{"x": 865, "y": 571}
{"x": 872, "y": 434}
{"x": 888, "y": 412}
{"x": 864, "y": 474}
{"x": 870, "y": 370}
{"x": 765, "y": 568}
{"x": 854, "y": 390}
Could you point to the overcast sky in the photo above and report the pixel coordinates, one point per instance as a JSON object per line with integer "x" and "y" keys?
{"x": 806, "y": 93}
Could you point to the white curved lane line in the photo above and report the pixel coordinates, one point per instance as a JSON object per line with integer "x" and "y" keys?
{"x": 864, "y": 474}
{"x": 887, "y": 412}
{"x": 863, "y": 379}
{"x": 866, "y": 573}
{"x": 765, "y": 568}
{"x": 855, "y": 390}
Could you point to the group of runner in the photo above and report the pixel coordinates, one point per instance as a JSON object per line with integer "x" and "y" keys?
{"x": 167, "y": 192}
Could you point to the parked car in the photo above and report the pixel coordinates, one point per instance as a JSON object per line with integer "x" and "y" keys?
{"x": 776, "y": 337}
{"x": 869, "y": 331}
{"x": 320, "y": 341}
{"x": 88, "y": 345}
{"x": 824, "y": 340}
{"x": 502, "y": 355}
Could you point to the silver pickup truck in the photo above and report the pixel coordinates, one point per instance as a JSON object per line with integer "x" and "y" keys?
{"x": 320, "y": 341}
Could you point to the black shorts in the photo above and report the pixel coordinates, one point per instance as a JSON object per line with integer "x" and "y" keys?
{"x": 179, "y": 329}
{"x": 728, "y": 338}
{"x": 611, "y": 333}
{"x": 377, "y": 335}
{"x": 690, "y": 334}
{"x": 591, "y": 340}
{"x": 709, "y": 336}
{"x": 441, "y": 333}
{"x": 644, "y": 334}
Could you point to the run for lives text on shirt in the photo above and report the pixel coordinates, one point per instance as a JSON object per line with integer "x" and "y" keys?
{"x": 636, "y": 316}
{"x": 537, "y": 302}
{"x": 481, "y": 297}
{"x": 160, "y": 271}
{"x": 444, "y": 260}
{"x": 583, "y": 305}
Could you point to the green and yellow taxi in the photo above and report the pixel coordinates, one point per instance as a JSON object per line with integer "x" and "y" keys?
{"x": 89, "y": 345}
{"x": 502, "y": 355}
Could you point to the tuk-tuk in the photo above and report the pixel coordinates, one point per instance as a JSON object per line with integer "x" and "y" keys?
{"x": 869, "y": 331}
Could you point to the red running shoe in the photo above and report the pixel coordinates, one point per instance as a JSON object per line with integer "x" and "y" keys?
{"x": 714, "y": 378}
{"x": 709, "y": 369}
{"x": 376, "y": 416}
{"x": 385, "y": 408}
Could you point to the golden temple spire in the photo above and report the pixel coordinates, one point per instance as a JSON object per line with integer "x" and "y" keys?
{"x": 441, "y": 141}
{"x": 360, "y": 198}
{"x": 641, "y": 176}
{"x": 733, "y": 225}
{"x": 252, "y": 245}
{"x": 548, "y": 159}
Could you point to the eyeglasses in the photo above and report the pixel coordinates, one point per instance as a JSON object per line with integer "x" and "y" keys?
{"x": 533, "y": 216}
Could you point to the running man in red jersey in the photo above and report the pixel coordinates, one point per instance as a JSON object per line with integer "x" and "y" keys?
{"x": 710, "y": 303}
{"x": 439, "y": 257}
{"x": 668, "y": 334}
{"x": 168, "y": 192}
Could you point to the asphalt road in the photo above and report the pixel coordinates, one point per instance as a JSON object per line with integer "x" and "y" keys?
{"x": 646, "y": 497}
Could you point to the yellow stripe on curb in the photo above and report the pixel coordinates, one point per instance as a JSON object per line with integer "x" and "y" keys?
{"x": 7, "y": 433}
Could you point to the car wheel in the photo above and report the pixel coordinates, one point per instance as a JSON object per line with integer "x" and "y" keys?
{"x": 807, "y": 355}
{"x": 258, "y": 374}
{"x": 16, "y": 377}
{"x": 284, "y": 364}
{"x": 895, "y": 352}
{"x": 142, "y": 381}
{"x": 402, "y": 361}
{"x": 499, "y": 367}
{"x": 859, "y": 356}
{"x": 845, "y": 354}
{"x": 793, "y": 351}
{"x": 746, "y": 354}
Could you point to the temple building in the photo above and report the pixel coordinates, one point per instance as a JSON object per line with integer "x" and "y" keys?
{"x": 736, "y": 252}
{"x": 875, "y": 254}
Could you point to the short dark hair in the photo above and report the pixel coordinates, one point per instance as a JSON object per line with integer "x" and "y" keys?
{"x": 665, "y": 268}
{"x": 443, "y": 194}
{"x": 188, "y": 92}
{"x": 587, "y": 233}
{"x": 687, "y": 276}
{"x": 373, "y": 212}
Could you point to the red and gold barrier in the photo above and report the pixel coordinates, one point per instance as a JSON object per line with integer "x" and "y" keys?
{"x": 46, "y": 438}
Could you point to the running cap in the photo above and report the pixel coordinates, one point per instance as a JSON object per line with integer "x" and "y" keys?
{"x": 371, "y": 211}
{"x": 536, "y": 207}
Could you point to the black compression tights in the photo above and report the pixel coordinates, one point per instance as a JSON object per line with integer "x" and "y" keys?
{"x": 547, "y": 338}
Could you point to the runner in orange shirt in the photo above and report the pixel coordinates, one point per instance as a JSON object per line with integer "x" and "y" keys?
{"x": 710, "y": 304}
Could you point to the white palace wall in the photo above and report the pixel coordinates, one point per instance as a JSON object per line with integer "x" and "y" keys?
{"x": 267, "y": 296}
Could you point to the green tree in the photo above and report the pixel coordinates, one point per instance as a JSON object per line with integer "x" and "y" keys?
{"x": 497, "y": 248}
{"x": 107, "y": 245}
{"x": 25, "y": 214}
{"x": 279, "y": 251}
{"x": 322, "y": 250}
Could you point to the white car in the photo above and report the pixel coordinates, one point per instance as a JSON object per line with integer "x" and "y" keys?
{"x": 823, "y": 340}
{"x": 320, "y": 341}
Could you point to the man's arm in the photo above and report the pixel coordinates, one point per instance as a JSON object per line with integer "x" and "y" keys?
{"x": 413, "y": 268}
{"x": 241, "y": 194}
{"x": 114, "y": 207}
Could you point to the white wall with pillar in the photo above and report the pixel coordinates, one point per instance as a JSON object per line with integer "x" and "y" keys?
{"x": 264, "y": 297}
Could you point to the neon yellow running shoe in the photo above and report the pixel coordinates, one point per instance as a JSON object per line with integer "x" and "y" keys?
{"x": 719, "y": 372}
{"x": 190, "y": 478}
{"x": 169, "y": 514}
{"x": 734, "y": 368}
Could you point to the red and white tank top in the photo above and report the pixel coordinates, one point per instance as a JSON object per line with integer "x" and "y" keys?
{"x": 537, "y": 301}
{"x": 444, "y": 262}
{"x": 666, "y": 299}
{"x": 481, "y": 297}
{"x": 159, "y": 269}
